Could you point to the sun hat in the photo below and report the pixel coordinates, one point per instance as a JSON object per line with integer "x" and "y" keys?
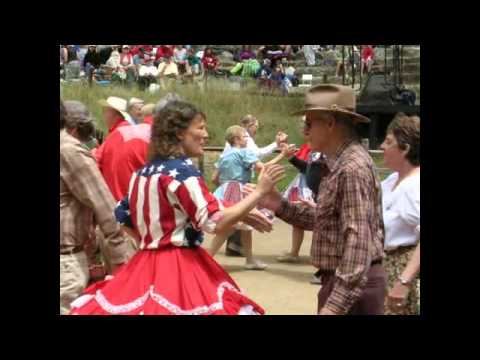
{"x": 332, "y": 98}
{"x": 116, "y": 103}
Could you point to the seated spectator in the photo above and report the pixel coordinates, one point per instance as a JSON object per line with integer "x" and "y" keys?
{"x": 246, "y": 53}
{"x": 368, "y": 56}
{"x": 250, "y": 68}
{"x": 309, "y": 52}
{"x": 127, "y": 65}
{"x": 210, "y": 62}
{"x": 180, "y": 58}
{"x": 290, "y": 74}
{"x": 277, "y": 80}
{"x": 71, "y": 63}
{"x": 163, "y": 51}
{"x": 118, "y": 72}
{"x": 138, "y": 57}
{"x": 81, "y": 52}
{"x": 167, "y": 69}
{"x": 104, "y": 53}
{"x": 63, "y": 54}
{"x": 147, "y": 72}
{"x": 134, "y": 50}
{"x": 340, "y": 70}
{"x": 273, "y": 53}
{"x": 266, "y": 69}
{"x": 91, "y": 61}
{"x": 193, "y": 62}
{"x": 287, "y": 51}
{"x": 134, "y": 109}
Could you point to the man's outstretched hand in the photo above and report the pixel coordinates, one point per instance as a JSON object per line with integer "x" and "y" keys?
{"x": 258, "y": 221}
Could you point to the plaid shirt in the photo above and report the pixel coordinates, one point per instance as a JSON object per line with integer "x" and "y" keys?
{"x": 83, "y": 196}
{"x": 347, "y": 223}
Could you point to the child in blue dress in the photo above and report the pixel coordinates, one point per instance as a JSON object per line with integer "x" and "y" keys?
{"x": 235, "y": 169}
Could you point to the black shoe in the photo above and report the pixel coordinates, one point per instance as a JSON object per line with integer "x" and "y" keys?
{"x": 231, "y": 252}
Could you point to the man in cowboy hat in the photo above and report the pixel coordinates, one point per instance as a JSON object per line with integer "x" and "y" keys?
{"x": 115, "y": 113}
{"x": 124, "y": 152}
{"x": 347, "y": 223}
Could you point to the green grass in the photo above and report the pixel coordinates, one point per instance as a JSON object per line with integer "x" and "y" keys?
{"x": 223, "y": 107}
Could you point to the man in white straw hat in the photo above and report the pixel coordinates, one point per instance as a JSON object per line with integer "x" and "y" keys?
{"x": 114, "y": 112}
{"x": 124, "y": 151}
{"x": 347, "y": 223}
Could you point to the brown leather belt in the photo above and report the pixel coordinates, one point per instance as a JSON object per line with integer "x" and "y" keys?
{"x": 75, "y": 250}
{"x": 328, "y": 273}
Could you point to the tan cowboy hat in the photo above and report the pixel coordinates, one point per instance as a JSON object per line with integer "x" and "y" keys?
{"x": 116, "y": 103}
{"x": 332, "y": 98}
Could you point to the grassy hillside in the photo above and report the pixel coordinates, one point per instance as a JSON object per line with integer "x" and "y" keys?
{"x": 223, "y": 107}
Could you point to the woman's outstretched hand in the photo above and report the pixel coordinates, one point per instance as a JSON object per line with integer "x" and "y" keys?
{"x": 271, "y": 201}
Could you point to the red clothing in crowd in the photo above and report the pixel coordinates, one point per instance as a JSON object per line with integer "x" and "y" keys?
{"x": 367, "y": 52}
{"x": 148, "y": 119}
{"x": 303, "y": 152}
{"x": 119, "y": 122}
{"x": 123, "y": 152}
{"x": 164, "y": 51}
{"x": 209, "y": 61}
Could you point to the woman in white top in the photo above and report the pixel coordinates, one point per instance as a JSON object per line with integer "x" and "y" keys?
{"x": 250, "y": 124}
{"x": 401, "y": 213}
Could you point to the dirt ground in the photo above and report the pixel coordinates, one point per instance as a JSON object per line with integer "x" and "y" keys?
{"x": 281, "y": 289}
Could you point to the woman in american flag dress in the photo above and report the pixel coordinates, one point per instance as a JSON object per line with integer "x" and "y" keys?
{"x": 167, "y": 208}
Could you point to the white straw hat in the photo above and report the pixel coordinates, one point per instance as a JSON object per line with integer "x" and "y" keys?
{"x": 116, "y": 103}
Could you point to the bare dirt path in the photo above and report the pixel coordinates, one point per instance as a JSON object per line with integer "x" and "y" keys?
{"x": 282, "y": 289}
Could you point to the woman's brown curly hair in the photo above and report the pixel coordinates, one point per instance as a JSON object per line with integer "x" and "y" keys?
{"x": 168, "y": 122}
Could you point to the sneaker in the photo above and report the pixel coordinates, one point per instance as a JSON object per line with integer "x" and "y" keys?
{"x": 256, "y": 265}
{"x": 317, "y": 280}
{"x": 288, "y": 258}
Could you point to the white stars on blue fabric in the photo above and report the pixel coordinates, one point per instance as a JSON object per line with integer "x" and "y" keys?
{"x": 179, "y": 168}
{"x": 173, "y": 173}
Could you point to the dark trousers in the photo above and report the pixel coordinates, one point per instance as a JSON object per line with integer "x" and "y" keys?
{"x": 372, "y": 300}
{"x": 235, "y": 239}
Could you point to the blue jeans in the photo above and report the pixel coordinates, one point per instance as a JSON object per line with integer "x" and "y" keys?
{"x": 89, "y": 69}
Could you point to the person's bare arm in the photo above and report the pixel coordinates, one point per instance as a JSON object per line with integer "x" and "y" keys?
{"x": 413, "y": 267}
{"x": 269, "y": 176}
{"x": 216, "y": 177}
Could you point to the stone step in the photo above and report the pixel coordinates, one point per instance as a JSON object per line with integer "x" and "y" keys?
{"x": 406, "y": 67}
{"x": 411, "y": 78}
{"x": 315, "y": 70}
{"x": 406, "y": 60}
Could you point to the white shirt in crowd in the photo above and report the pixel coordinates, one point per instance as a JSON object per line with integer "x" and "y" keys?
{"x": 146, "y": 70}
{"x": 260, "y": 152}
{"x": 401, "y": 211}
